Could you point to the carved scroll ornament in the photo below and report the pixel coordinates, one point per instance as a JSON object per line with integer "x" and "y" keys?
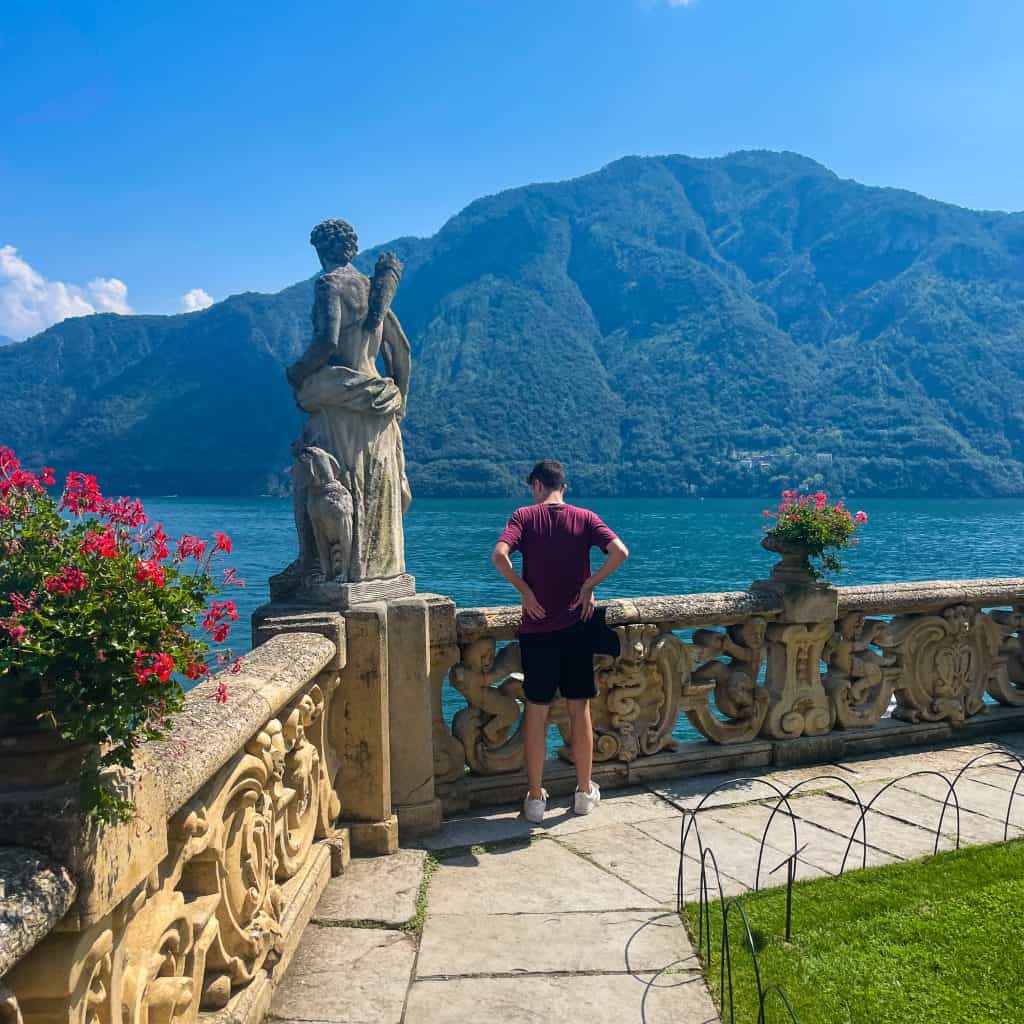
{"x": 945, "y": 665}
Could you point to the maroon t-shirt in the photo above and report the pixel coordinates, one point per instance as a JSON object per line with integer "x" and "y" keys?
{"x": 555, "y": 541}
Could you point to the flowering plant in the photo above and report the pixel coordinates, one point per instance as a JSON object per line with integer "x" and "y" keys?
{"x": 98, "y": 617}
{"x": 808, "y": 521}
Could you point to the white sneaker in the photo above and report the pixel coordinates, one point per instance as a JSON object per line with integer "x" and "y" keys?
{"x": 584, "y": 803}
{"x": 533, "y": 810}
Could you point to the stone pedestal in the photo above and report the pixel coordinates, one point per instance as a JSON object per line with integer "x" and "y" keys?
{"x": 798, "y": 703}
{"x": 336, "y": 596}
{"x": 381, "y": 719}
{"x": 358, "y": 727}
{"x": 360, "y": 735}
{"x": 414, "y": 625}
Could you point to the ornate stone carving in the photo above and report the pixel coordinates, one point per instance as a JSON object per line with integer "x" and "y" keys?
{"x": 797, "y": 702}
{"x": 489, "y": 728}
{"x": 207, "y": 920}
{"x": 350, "y": 486}
{"x": 304, "y": 784}
{"x": 10, "y": 1011}
{"x": 230, "y": 838}
{"x": 92, "y": 993}
{"x": 449, "y": 753}
{"x": 729, "y": 663}
{"x": 1004, "y": 641}
{"x": 945, "y": 665}
{"x": 165, "y": 948}
{"x": 860, "y": 678}
{"x": 637, "y": 704}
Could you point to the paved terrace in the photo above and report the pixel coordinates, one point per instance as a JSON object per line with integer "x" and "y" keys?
{"x": 573, "y": 921}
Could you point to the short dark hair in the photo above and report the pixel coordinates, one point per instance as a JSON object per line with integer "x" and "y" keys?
{"x": 549, "y": 473}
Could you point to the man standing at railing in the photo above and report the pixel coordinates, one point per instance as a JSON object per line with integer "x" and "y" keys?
{"x": 560, "y": 632}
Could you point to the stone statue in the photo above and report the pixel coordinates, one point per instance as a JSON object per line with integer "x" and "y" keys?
{"x": 737, "y": 694}
{"x": 327, "y": 510}
{"x": 349, "y": 483}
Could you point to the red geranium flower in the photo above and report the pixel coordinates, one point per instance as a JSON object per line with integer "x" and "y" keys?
{"x": 101, "y": 542}
{"x": 152, "y": 572}
{"x": 68, "y": 581}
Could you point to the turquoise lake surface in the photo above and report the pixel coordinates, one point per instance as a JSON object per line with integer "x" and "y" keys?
{"x": 677, "y": 545}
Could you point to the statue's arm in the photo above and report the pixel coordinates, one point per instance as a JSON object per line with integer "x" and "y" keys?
{"x": 326, "y": 328}
{"x": 397, "y": 355}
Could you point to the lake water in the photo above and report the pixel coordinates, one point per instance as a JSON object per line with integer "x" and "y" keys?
{"x": 677, "y": 545}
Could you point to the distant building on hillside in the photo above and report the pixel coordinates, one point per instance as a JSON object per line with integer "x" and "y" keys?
{"x": 823, "y": 456}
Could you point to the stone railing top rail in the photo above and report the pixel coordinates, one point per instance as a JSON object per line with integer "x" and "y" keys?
{"x": 35, "y": 893}
{"x": 722, "y": 608}
{"x": 931, "y": 595}
{"x": 207, "y": 734}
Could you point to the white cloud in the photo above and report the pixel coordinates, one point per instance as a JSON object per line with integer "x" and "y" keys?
{"x": 195, "y": 299}
{"x": 109, "y": 295}
{"x": 29, "y": 303}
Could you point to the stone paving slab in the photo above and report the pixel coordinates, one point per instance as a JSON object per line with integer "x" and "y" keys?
{"x": 617, "y": 807}
{"x": 378, "y": 889}
{"x": 737, "y": 788}
{"x": 478, "y": 830}
{"x": 347, "y": 976}
{"x": 904, "y": 841}
{"x": 575, "y": 999}
{"x": 823, "y": 849}
{"x": 947, "y": 759}
{"x": 614, "y": 809}
{"x": 535, "y": 878}
{"x": 735, "y": 852}
{"x": 972, "y": 795}
{"x": 636, "y": 858}
{"x": 455, "y": 945}
{"x": 899, "y": 802}
{"x": 1004, "y": 778}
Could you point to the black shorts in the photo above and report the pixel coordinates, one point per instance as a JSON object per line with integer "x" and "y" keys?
{"x": 562, "y": 662}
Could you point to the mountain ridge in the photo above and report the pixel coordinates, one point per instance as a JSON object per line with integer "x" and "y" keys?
{"x": 737, "y": 323}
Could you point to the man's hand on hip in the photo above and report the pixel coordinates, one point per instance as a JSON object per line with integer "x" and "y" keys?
{"x": 531, "y": 606}
{"x": 584, "y": 600}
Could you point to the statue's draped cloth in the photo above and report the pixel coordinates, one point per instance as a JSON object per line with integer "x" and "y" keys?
{"x": 355, "y": 417}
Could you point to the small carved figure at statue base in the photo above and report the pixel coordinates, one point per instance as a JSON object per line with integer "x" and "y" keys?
{"x": 350, "y": 488}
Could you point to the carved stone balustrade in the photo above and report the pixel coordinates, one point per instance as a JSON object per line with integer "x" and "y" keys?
{"x": 335, "y": 735}
{"x": 199, "y": 901}
{"x": 784, "y": 672}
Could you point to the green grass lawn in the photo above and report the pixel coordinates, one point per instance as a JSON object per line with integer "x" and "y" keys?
{"x": 939, "y": 941}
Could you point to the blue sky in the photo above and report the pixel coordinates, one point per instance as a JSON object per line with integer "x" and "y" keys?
{"x": 151, "y": 150}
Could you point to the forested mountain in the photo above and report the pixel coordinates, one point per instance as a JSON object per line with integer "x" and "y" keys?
{"x": 666, "y": 325}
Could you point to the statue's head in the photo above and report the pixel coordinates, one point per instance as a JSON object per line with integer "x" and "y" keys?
{"x": 479, "y": 655}
{"x": 851, "y": 625}
{"x": 316, "y": 467}
{"x": 750, "y": 633}
{"x": 335, "y": 242}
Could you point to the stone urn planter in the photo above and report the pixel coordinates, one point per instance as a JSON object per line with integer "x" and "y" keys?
{"x": 804, "y": 598}
{"x": 33, "y": 753}
{"x": 794, "y": 566}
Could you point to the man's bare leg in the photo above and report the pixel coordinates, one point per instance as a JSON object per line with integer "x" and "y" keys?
{"x": 535, "y": 726}
{"x": 582, "y": 742}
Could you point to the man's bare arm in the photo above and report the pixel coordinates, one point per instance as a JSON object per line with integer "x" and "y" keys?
{"x": 500, "y": 557}
{"x": 617, "y": 554}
